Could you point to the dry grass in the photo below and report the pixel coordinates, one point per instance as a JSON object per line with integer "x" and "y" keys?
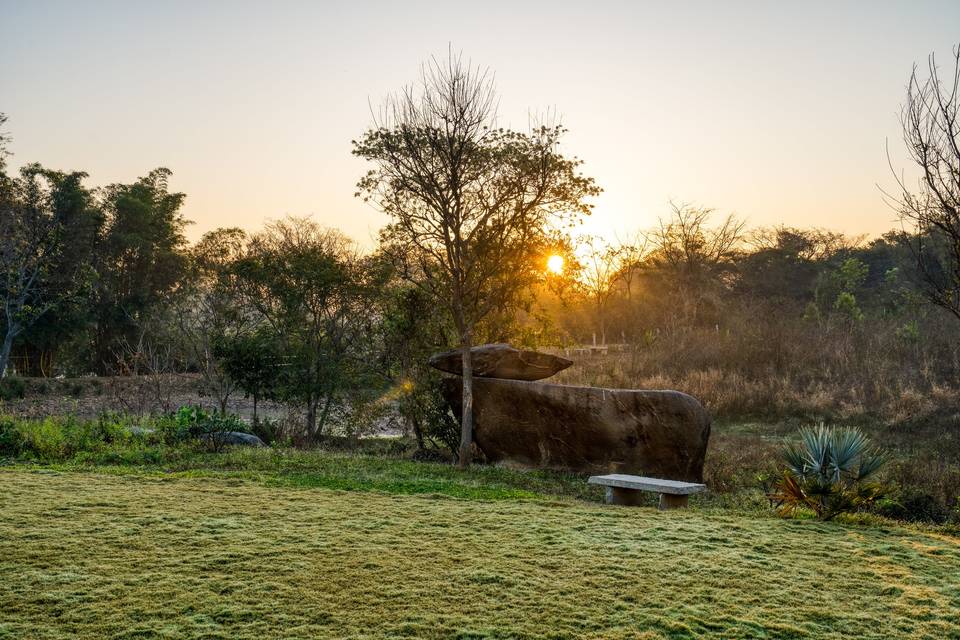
{"x": 84, "y": 555}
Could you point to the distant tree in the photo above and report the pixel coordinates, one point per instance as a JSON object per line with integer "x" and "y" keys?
{"x": 140, "y": 259}
{"x": 784, "y": 262}
{"x": 931, "y": 131}
{"x": 601, "y": 266}
{"x": 697, "y": 258}
{"x": 69, "y": 282}
{"x": 470, "y": 203}
{"x": 36, "y": 264}
{"x": 253, "y": 359}
{"x": 4, "y": 143}
{"x": 208, "y": 310}
{"x": 309, "y": 284}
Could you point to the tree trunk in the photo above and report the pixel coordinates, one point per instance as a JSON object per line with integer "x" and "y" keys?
{"x": 323, "y": 417}
{"x": 466, "y": 419}
{"x": 311, "y": 419}
{"x": 417, "y": 432}
{"x": 5, "y": 351}
{"x": 254, "y": 409}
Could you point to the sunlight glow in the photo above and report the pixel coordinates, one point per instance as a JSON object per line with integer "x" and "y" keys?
{"x": 555, "y": 264}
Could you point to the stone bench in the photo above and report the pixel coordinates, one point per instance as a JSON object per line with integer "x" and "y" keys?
{"x": 626, "y": 490}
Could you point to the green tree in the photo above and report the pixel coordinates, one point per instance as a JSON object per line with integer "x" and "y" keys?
{"x": 470, "y": 203}
{"x": 39, "y": 212}
{"x": 141, "y": 259}
{"x": 208, "y": 310}
{"x": 310, "y": 285}
{"x": 253, "y": 359}
{"x": 69, "y": 282}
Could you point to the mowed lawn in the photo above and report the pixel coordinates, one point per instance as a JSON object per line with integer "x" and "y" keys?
{"x": 85, "y": 555}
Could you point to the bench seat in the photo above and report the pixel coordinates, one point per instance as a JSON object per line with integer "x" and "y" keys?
{"x": 626, "y": 489}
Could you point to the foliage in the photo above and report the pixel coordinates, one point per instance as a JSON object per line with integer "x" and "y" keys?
{"x": 829, "y": 473}
{"x": 12, "y": 388}
{"x": 253, "y": 360}
{"x": 310, "y": 286}
{"x": 44, "y": 217}
{"x": 470, "y": 204}
{"x": 193, "y": 423}
{"x": 139, "y": 262}
{"x": 11, "y": 442}
{"x": 914, "y": 506}
{"x": 208, "y": 309}
{"x": 59, "y": 438}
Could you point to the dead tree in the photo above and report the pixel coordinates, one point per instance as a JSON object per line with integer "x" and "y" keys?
{"x": 931, "y": 130}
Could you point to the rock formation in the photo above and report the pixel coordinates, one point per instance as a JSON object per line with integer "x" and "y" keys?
{"x": 654, "y": 433}
{"x": 502, "y": 361}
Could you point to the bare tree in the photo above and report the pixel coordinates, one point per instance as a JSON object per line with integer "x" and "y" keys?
{"x": 469, "y": 202}
{"x": 600, "y": 269}
{"x": 633, "y": 254}
{"x": 931, "y": 130}
{"x": 694, "y": 253}
{"x": 4, "y": 141}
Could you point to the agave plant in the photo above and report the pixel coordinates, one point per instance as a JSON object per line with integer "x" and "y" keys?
{"x": 830, "y": 472}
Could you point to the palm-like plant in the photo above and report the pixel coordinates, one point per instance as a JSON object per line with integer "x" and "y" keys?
{"x": 829, "y": 472}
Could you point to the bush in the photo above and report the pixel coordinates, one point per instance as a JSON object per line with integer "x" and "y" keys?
{"x": 11, "y": 442}
{"x": 192, "y": 422}
{"x": 12, "y": 389}
{"x": 266, "y": 429}
{"x": 914, "y": 506}
{"x": 828, "y": 473}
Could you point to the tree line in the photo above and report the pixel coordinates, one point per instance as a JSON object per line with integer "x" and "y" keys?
{"x": 102, "y": 280}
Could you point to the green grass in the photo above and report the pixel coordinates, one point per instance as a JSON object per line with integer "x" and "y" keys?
{"x": 286, "y": 467}
{"x": 124, "y": 555}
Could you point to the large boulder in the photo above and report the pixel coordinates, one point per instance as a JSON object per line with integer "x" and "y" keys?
{"x": 234, "y": 438}
{"x": 654, "y": 433}
{"x": 501, "y": 361}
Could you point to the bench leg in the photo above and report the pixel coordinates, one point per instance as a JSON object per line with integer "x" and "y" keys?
{"x": 670, "y": 501}
{"x": 627, "y": 497}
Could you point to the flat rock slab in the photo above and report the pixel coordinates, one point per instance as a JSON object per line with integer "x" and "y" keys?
{"x": 662, "y": 434}
{"x": 641, "y": 483}
{"x": 502, "y": 361}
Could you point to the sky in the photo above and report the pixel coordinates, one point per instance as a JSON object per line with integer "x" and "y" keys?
{"x": 779, "y": 113}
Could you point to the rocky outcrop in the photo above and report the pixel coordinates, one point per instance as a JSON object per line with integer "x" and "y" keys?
{"x": 502, "y": 361}
{"x": 662, "y": 434}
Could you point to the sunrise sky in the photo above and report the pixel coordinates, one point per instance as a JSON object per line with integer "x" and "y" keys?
{"x": 778, "y": 112}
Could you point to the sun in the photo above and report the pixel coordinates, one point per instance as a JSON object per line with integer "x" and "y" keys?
{"x": 555, "y": 264}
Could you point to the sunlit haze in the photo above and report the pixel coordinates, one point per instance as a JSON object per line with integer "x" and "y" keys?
{"x": 776, "y": 113}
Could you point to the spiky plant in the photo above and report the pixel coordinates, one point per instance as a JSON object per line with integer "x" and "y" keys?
{"x": 830, "y": 472}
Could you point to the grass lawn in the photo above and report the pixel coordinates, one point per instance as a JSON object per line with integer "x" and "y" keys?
{"x": 92, "y": 555}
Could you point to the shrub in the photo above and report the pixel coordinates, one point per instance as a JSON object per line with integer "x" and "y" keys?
{"x": 266, "y": 429}
{"x": 829, "y": 473}
{"x": 12, "y": 388}
{"x": 11, "y": 442}
{"x": 914, "y": 506}
{"x": 210, "y": 428}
